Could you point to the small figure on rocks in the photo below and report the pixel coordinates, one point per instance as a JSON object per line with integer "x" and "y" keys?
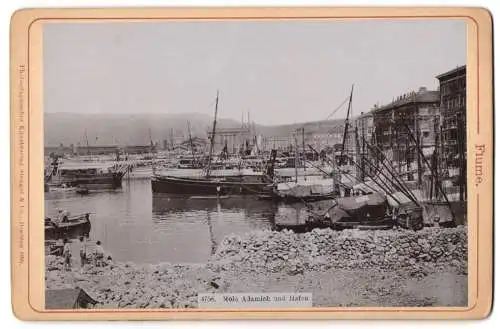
{"x": 99, "y": 254}
{"x": 436, "y": 221}
{"x": 63, "y": 216}
{"x": 393, "y": 214}
{"x": 67, "y": 254}
{"x": 59, "y": 215}
{"x": 83, "y": 251}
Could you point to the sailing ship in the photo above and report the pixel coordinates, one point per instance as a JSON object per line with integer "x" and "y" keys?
{"x": 211, "y": 182}
{"x": 237, "y": 182}
{"x": 379, "y": 197}
{"x": 316, "y": 183}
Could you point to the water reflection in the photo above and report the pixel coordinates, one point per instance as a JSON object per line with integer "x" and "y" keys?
{"x": 249, "y": 205}
{"x": 219, "y": 217}
{"x": 213, "y": 242}
{"x": 135, "y": 226}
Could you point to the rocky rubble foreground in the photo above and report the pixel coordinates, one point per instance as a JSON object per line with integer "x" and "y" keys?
{"x": 277, "y": 261}
{"x": 417, "y": 252}
{"x": 126, "y": 285}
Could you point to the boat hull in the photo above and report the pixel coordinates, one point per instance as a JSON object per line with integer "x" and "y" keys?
{"x": 73, "y": 229}
{"x": 195, "y": 186}
{"x": 307, "y": 198}
{"x": 307, "y": 225}
{"x": 111, "y": 181}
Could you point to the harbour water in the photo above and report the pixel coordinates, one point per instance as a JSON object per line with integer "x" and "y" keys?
{"x": 135, "y": 226}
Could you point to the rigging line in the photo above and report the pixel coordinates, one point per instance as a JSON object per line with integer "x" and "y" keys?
{"x": 382, "y": 182}
{"x": 433, "y": 170}
{"x": 386, "y": 163}
{"x": 377, "y": 183}
{"x": 211, "y": 105}
{"x": 382, "y": 187}
{"x": 378, "y": 172}
{"x": 359, "y": 167}
{"x": 340, "y": 184}
{"x": 325, "y": 173}
{"x": 337, "y": 108}
{"x": 397, "y": 186}
{"x": 354, "y": 181}
{"x": 395, "y": 181}
{"x": 376, "y": 176}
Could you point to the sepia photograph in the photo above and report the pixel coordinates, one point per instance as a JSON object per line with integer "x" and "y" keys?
{"x": 199, "y": 164}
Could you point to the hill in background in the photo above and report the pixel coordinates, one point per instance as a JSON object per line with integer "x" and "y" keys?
{"x": 136, "y": 129}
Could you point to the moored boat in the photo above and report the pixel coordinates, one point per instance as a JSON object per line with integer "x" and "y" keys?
{"x": 364, "y": 212}
{"x": 61, "y": 188}
{"x": 234, "y": 185}
{"x": 307, "y": 190}
{"x": 82, "y": 190}
{"x": 89, "y": 175}
{"x": 354, "y": 212}
{"x": 71, "y": 227}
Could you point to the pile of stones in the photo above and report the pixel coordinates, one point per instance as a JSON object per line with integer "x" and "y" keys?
{"x": 415, "y": 252}
{"x": 127, "y": 285}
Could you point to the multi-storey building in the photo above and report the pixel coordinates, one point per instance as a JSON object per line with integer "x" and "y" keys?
{"x": 452, "y": 88}
{"x": 139, "y": 149}
{"x": 280, "y": 143}
{"x": 453, "y": 139}
{"x": 233, "y": 138}
{"x": 364, "y": 123}
{"x": 59, "y": 150}
{"x": 97, "y": 150}
{"x": 408, "y": 127}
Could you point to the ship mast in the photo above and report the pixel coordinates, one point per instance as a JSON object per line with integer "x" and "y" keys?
{"x": 359, "y": 158}
{"x": 212, "y": 139}
{"x": 87, "y": 141}
{"x": 171, "y": 139}
{"x": 191, "y": 141}
{"x": 304, "y": 152}
{"x": 346, "y": 127}
{"x": 296, "y": 157}
{"x": 151, "y": 144}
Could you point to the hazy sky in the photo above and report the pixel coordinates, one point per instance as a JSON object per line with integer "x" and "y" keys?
{"x": 280, "y": 71}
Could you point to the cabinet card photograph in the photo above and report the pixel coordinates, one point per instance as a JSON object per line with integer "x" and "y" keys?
{"x": 252, "y": 163}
